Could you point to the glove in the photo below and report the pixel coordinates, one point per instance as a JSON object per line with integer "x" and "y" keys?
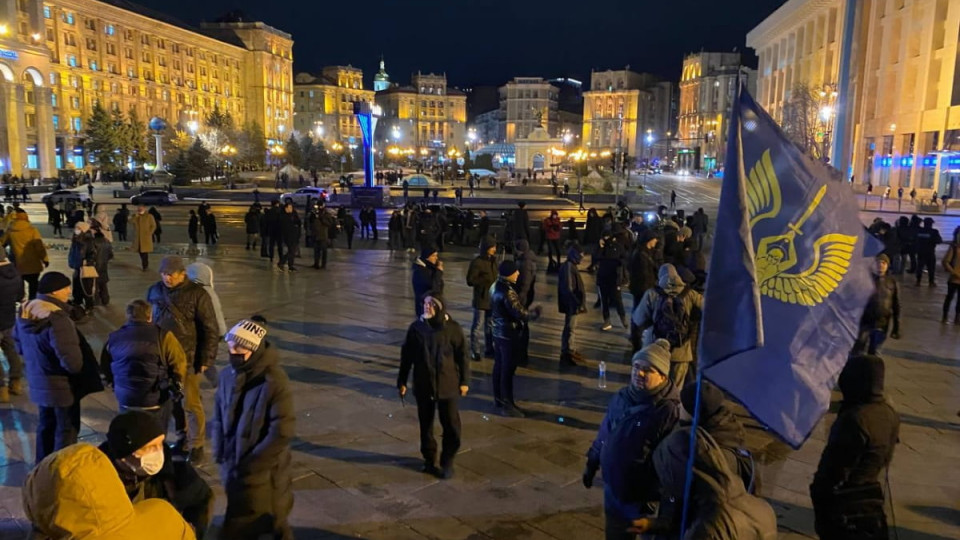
{"x": 535, "y": 312}
{"x": 588, "y": 473}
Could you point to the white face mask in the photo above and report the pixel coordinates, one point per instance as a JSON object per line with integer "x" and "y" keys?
{"x": 150, "y": 464}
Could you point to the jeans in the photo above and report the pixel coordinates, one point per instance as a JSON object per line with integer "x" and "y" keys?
{"x": 611, "y": 297}
{"x": 568, "y": 339}
{"x": 252, "y": 239}
{"x": 193, "y": 237}
{"x": 320, "y": 253}
{"x": 274, "y": 244}
{"x": 449, "y": 412}
{"x": 13, "y": 358}
{"x": 475, "y": 332}
{"x": 869, "y": 341}
{"x": 102, "y": 294}
{"x": 57, "y": 427}
{"x": 953, "y": 289}
{"x": 506, "y": 353}
{"x": 210, "y": 237}
{"x": 188, "y": 415}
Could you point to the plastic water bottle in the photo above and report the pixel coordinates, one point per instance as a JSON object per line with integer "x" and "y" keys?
{"x": 602, "y": 382}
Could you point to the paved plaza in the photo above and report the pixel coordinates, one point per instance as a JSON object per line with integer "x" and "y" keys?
{"x": 356, "y": 455}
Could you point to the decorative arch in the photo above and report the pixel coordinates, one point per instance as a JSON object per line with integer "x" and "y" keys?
{"x": 538, "y": 161}
{"x": 35, "y": 74}
{"x": 6, "y": 72}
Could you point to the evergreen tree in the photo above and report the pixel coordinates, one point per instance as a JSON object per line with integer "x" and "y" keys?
{"x": 180, "y": 169}
{"x": 252, "y": 146}
{"x": 137, "y": 138}
{"x": 102, "y": 139}
{"x": 219, "y": 120}
{"x": 122, "y": 134}
{"x": 198, "y": 161}
{"x": 321, "y": 158}
{"x": 293, "y": 152}
{"x": 307, "y": 150}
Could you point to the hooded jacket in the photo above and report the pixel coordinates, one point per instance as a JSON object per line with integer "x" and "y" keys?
{"x": 11, "y": 292}
{"x": 75, "y": 493}
{"x": 481, "y": 275}
{"x": 438, "y": 359}
{"x": 669, "y": 284}
{"x": 26, "y": 245}
{"x": 526, "y": 283}
{"x": 321, "y": 225}
{"x": 202, "y": 275}
{"x": 48, "y": 341}
{"x": 427, "y": 277}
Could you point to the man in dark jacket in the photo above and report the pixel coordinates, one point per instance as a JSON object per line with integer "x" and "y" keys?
{"x": 252, "y": 222}
{"x": 435, "y": 350}
{"x": 481, "y": 275}
{"x": 184, "y": 308}
{"x": 270, "y": 231}
{"x": 289, "y": 231}
{"x": 252, "y": 428}
{"x": 11, "y": 292}
{"x": 120, "y": 222}
{"x": 609, "y": 261}
{"x": 882, "y": 311}
{"x": 321, "y": 226}
{"x": 148, "y": 471}
{"x": 572, "y": 301}
{"x": 50, "y": 346}
{"x": 427, "y": 276}
{"x": 643, "y": 266}
{"x": 509, "y": 316}
{"x": 526, "y": 285}
{"x": 638, "y": 417}
{"x": 847, "y": 497}
{"x": 145, "y": 365}
{"x": 927, "y": 240}
{"x": 521, "y": 223}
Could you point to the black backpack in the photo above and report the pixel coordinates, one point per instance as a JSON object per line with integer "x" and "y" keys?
{"x": 670, "y": 320}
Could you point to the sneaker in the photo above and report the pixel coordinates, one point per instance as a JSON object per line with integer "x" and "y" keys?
{"x": 606, "y": 326}
{"x": 16, "y": 387}
{"x": 196, "y": 456}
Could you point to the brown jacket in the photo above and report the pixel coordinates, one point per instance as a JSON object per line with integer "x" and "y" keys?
{"x": 951, "y": 263}
{"x": 143, "y": 225}
{"x": 26, "y": 245}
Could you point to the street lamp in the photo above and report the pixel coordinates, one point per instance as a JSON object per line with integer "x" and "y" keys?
{"x": 193, "y": 125}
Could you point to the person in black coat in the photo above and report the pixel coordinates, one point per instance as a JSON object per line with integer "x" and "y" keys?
{"x": 270, "y": 231}
{"x": 521, "y": 222}
{"x": 252, "y": 222}
{"x": 11, "y": 293}
{"x": 210, "y": 229}
{"x": 157, "y": 218}
{"x": 927, "y": 240}
{"x": 193, "y": 227}
{"x": 83, "y": 253}
{"x": 253, "y": 425}
{"x": 288, "y": 226}
{"x": 509, "y": 316}
{"x": 436, "y": 351}
{"x": 481, "y": 275}
{"x": 848, "y": 498}
{"x": 145, "y": 465}
{"x": 881, "y": 313}
{"x": 427, "y": 276}
{"x": 572, "y": 301}
{"x": 609, "y": 262}
{"x": 120, "y": 222}
{"x": 348, "y": 224}
{"x": 643, "y": 266}
{"x": 103, "y": 251}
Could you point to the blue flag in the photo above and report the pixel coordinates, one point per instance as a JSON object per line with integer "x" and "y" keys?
{"x": 789, "y": 278}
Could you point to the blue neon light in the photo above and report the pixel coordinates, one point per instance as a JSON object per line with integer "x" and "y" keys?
{"x": 9, "y": 55}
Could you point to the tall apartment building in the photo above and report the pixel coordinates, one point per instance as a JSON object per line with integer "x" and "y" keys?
{"x": 59, "y": 58}
{"x": 324, "y": 104}
{"x": 622, "y": 108}
{"x": 425, "y": 116}
{"x": 527, "y": 103}
{"x": 708, "y": 86}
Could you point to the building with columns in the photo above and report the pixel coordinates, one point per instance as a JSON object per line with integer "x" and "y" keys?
{"x": 527, "y": 103}
{"x": 708, "y": 85}
{"x": 59, "y": 58}
{"x": 427, "y": 116}
{"x": 324, "y": 104}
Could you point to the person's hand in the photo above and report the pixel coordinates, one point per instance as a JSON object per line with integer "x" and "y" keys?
{"x": 582, "y": 309}
{"x": 403, "y": 390}
{"x": 464, "y": 389}
{"x": 46, "y": 264}
{"x": 535, "y": 312}
{"x": 440, "y": 266}
{"x": 588, "y": 473}
{"x": 202, "y": 369}
{"x": 640, "y": 526}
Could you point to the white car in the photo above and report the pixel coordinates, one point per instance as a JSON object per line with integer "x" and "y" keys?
{"x": 301, "y": 195}
{"x": 64, "y": 195}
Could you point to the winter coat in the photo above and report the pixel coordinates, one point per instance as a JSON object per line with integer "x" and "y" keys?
{"x": 120, "y": 222}
{"x": 252, "y": 220}
{"x": 883, "y": 306}
{"x": 103, "y": 220}
{"x": 526, "y": 283}
{"x": 668, "y": 285}
{"x": 11, "y": 292}
{"x": 157, "y": 218}
{"x": 481, "y": 275}
{"x": 927, "y": 240}
{"x": 50, "y": 346}
{"x": 438, "y": 359}
{"x": 609, "y": 261}
{"x": 349, "y": 224}
{"x": 321, "y": 225}
{"x": 142, "y": 361}
{"x": 188, "y": 312}
{"x": 571, "y": 293}
{"x": 643, "y": 271}
{"x": 143, "y": 228}
{"x": 507, "y": 313}
{"x": 426, "y": 278}
{"x": 288, "y": 226}
{"x": 26, "y": 245}
{"x": 202, "y": 275}
{"x": 552, "y": 227}
{"x": 253, "y": 424}
{"x": 592, "y": 230}
{"x": 210, "y": 224}
{"x": 951, "y": 263}
{"x": 76, "y": 493}
{"x": 193, "y": 224}
{"x": 270, "y": 223}
{"x": 521, "y": 224}
{"x": 103, "y": 254}
{"x": 82, "y": 251}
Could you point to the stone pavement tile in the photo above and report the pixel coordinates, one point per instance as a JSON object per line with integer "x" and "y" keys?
{"x": 508, "y": 527}
{"x": 442, "y": 528}
{"x": 566, "y": 526}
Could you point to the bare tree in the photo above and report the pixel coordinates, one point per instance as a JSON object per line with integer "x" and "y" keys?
{"x": 800, "y": 121}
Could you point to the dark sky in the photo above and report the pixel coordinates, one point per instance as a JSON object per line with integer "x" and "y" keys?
{"x": 490, "y": 41}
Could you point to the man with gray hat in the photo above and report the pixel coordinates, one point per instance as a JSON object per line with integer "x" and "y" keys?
{"x": 638, "y": 417}
{"x": 184, "y": 308}
{"x": 881, "y": 313}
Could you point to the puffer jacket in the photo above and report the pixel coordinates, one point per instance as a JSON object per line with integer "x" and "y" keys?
{"x": 76, "y": 493}
{"x": 26, "y": 245}
{"x": 192, "y": 319}
{"x": 11, "y": 292}
{"x": 438, "y": 359}
{"x": 202, "y": 275}
{"x": 50, "y": 346}
{"x": 253, "y": 424}
{"x": 142, "y": 361}
{"x": 507, "y": 312}
{"x": 883, "y": 306}
{"x": 481, "y": 275}
{"x": 669, "y": 284}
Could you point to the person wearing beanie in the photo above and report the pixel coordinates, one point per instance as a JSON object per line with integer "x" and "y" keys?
{"x": 669, "y": 311}
{"x": 859, "y": 447}
{"x": 253, "y": 424}
{"x": 52, "y": 353}
{"x": 83, "y": 253}
{"x": 927, "y": 240}
{"x": 435, "y": 350}
{"x": 26, "y": 249}
{"x": 427, "y": 276}
{"x": 509, "y": 317}
{"x": 643, "y": 266}
{"x": 11, "y": 294}
{"x": 144, "y": 226}
{"x": 572, "y": 302}
{"x": 638, "y": 417}
{"x": 882, "y": 313}
{"x": 481, "y": 276}
{"x": 184, "y": 308}
{"x": 145, "y": 465}
{"x": 526, "y": 289}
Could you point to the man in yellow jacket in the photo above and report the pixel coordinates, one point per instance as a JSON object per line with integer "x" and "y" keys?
{"x": 26, "y": 246}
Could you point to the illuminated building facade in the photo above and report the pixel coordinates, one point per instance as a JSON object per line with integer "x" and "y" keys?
{"x": 427, "y": 117}
{"x": 527, "y": 103}
{"x": 57, "y": 59}
{"x": 324, "y": 104}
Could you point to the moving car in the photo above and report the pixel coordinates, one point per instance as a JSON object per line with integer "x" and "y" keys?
{"x": 154, "y": 197}
{"x": 63, "y": 195}
{"x": 301, "y": 195}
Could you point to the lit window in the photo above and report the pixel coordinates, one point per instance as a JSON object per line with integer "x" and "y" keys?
{"x": 56, "y": 122}
{"x": 68, "y": 18}
{"x": 93, "y": 65}
{"x": 72, "y": 61}
{"x": 53, "y": 78}
{"x": 46, "y": 12}
{"x": 77, "y": 124}
{"x": 109, "y": 30}
{"x": 53, "y": 99}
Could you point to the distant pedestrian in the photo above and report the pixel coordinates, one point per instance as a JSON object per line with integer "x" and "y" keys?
{"x": 481, "y": 275}
{"x": 26, "y": 249}
{"x": 251, "y": 221}
{"x": 157, "y": 218}
{"x": 210, "y": 229}
{"x": 951, "y": 263}
{"x": 928, "y": 239}
{"x": 288, "y": 227}
{"x": 11, "y": 294}
{"x": 142, "y": 243}
{"x": 673, "y": 199}
{"x": 572, "y": 302}
{"x": 103, "y": 254}
{"x": 509, "y": 316}
{"x": 193, "y": 227}
{"x": 56, "y": 219}
{"x": 82, "y": 258}
{"x": 348, "y": 224}
{"x": 881, "y": 316}
{"x": 321, "y": 226}
{"x": 427, "y": 276}
{"x": 120, "y": 222}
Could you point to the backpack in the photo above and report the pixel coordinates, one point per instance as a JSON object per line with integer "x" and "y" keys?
{"x": 670, "y": 319}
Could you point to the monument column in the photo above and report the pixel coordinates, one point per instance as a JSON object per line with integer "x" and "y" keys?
{"x": 13, "y": 148}
{"x": 46, "y": 138}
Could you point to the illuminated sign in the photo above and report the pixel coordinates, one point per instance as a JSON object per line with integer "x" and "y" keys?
{"x": 9, "y": 55}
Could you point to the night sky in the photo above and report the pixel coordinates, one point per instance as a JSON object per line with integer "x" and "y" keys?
{"x": 491, "y": 41}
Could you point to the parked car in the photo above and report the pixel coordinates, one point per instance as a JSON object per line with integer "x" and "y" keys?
{"x": 154, "y": 197}
{"x": 63, "y": 195}
{"x": 419, "y": 180}
{"x": 301, "y": 195}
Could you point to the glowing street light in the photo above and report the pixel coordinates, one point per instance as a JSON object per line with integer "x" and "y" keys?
{"x": 193, "y": 125}
{"x": 3, "y": 29}
{"x": 826, "y": 112}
